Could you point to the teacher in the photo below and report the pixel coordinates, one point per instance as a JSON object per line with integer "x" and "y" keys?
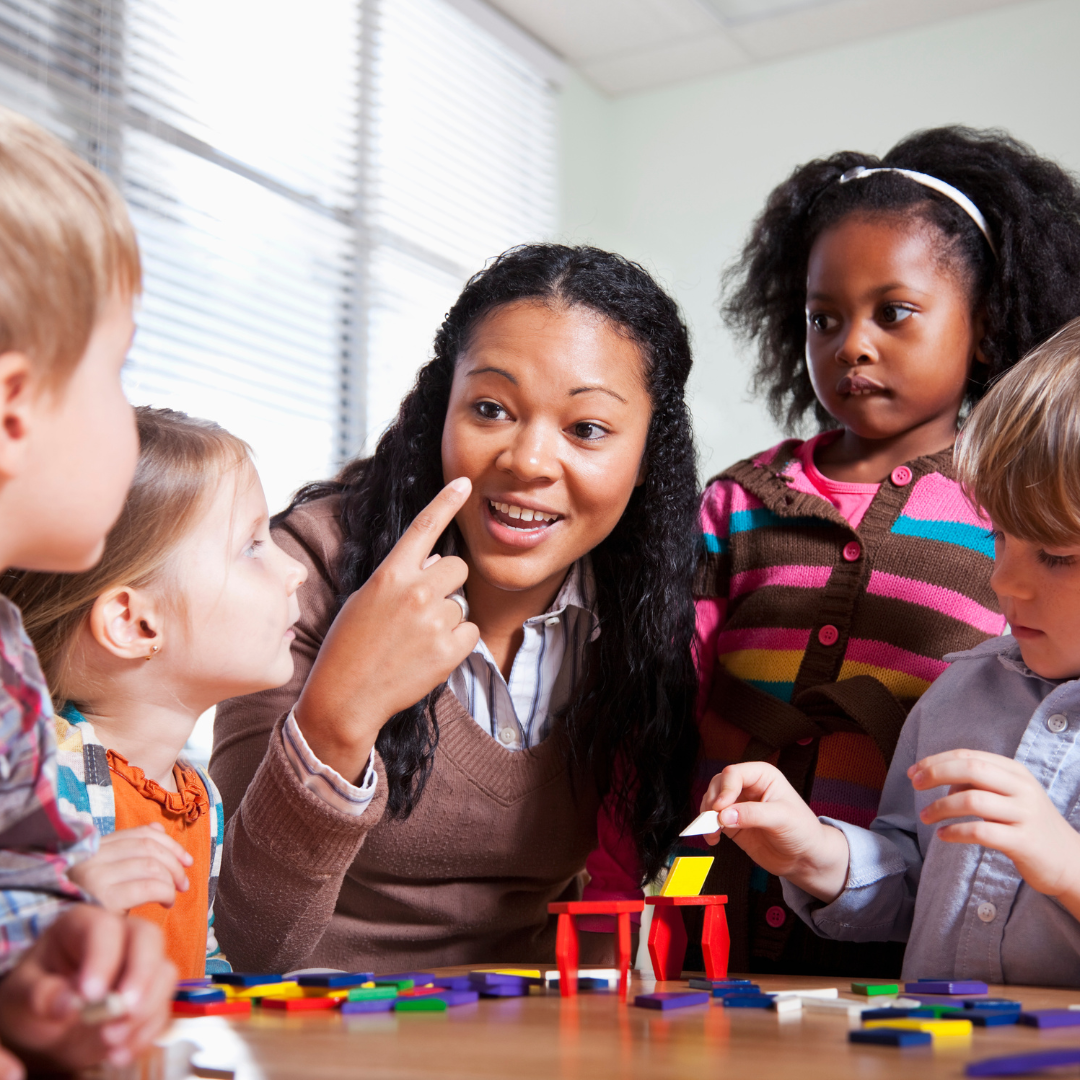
{"x": 494, "y": 642}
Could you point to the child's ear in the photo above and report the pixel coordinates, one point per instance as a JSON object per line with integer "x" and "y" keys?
{"x": 18, "y": 395}
{"x": 127, "y": 623}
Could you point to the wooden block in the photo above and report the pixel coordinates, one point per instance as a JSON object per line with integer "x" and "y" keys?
{"x": 687, "y": 875}
{"x": 304, "y": 1004}
{"x": 214, "y": 1008}
{"x": 669, "y": 999}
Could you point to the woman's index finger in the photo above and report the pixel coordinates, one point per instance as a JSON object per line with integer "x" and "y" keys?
{"x": 425, "y": 529}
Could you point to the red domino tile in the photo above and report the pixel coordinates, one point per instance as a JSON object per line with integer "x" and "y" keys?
{"x": 216, "y": 1008}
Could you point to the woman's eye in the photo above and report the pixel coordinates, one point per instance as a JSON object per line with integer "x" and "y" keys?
{"x": 588, "y": 431}
{"x": 252, "y": 550}
{"x": 821, "y": 322}
{"x": 894, "y": 313}
{"x": 490, "y": 410}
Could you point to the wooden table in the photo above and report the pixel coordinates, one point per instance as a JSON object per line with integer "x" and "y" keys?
{"x": 592, "y": 1036}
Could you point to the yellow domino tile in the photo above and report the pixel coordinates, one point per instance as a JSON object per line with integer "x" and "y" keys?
{"x": 687, "y": 875}
{"x": 324, "y": 992}
{"x": 935, "y": 1027}
{"x": 525, "y": 973}
{"x": 267, "y": 990}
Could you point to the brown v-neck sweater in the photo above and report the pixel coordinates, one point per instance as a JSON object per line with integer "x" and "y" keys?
{"x": 466, "y": 878}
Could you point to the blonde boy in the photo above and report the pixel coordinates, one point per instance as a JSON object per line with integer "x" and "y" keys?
{"x": 69, "y": 271}
{"x": 974, "y": 857}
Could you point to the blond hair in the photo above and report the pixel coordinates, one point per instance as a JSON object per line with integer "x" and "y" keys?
{"x": 1019, "y": 453}
{"x": 66, "y": 245}
{"x": 181, "y": 463}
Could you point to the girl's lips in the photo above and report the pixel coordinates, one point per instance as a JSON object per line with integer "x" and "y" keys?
{"x": 857, "y": 385}
{"x": 520, "y": 534}
{"x": 1025, "y": 633}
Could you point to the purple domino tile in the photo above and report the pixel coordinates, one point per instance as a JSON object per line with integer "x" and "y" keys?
{"x": 1020, "y": 1064}
{"x": 487, "y": 979}
{"x": 452, "y": 982}
{"x": 671, "y": 999}
{"x": 376, "y": 1005}
{"x": 458, "y": 997}
{"x": 336, "y": 981}
{"x": 944, "y": 986}
{"x": 1050, "y": 1018}
{"x": 521, "y": 990}
{"x": 419, "y": 978}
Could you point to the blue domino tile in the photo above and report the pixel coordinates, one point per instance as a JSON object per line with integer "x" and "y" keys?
{"x": 884, "y": 1037}
{"x": 945, "y": 986}
{"x": 991, "y": 1017}
{"x": 992, "y": 1003}
{"x": 671, "y": 999}
{"x": 244, "y": 979}
{"x": 378, "y": 1005}
{"x": 419, "y": 978}
{"x": 1022, "y": 1064}
{"x": 746, "y": 985}
{"x": 452, "y": 982}
{"x": 203, "y": 995}
{"x": 340, "y": 981}
{"x": 747, "y": 1001}
{"x": 1050, "y": 1018}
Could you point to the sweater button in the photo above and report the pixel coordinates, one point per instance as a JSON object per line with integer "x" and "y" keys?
{"x": 901, "y": 476}
{"x": 776, "y": 916}
{"x": 986, "y": 911}
{"x": 852, "y": 551}
{"x": 1057, "y": 723}
{"x": 828, "y": 635}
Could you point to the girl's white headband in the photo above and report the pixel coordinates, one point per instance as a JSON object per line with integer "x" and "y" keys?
{"x": 937, "y": 185}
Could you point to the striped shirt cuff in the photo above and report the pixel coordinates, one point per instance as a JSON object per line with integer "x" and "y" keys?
{"x": 327, "y": 783}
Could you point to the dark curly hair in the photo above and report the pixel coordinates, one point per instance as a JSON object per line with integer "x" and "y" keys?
{"x": 1030, "y": 289}
{"x": 631, "y": 724}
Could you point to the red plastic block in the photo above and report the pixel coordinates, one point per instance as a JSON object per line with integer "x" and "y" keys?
{"x": 566, "y": 939}
{"x": 216, "y": 1008}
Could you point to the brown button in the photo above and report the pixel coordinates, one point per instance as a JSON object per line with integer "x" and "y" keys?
{"x": 828, "y": 635}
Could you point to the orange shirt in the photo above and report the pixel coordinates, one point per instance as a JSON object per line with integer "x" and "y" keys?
{"x": 185, "y": 815}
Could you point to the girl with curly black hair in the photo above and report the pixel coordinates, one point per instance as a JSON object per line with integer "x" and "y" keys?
{"x": 883, "y": 296}
{"x": 495, "y": 641}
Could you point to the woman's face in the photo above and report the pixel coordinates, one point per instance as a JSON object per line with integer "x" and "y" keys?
{"x": 548, "y": 417}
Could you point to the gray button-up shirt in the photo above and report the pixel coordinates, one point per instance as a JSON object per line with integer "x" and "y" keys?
{"x": 963, "y": 909}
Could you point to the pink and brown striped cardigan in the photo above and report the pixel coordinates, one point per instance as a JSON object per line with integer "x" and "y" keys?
{"x": 814, "y": 641}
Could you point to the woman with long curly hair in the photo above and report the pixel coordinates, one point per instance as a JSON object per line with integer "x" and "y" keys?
{"x": 495, "y": 641}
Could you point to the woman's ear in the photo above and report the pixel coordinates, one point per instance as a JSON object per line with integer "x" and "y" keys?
{"x": 127, "y": 623}
{"x": 643, "y": 471}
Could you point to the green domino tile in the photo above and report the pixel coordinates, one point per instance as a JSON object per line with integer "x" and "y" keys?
{"x": 427, "y": 1003}
{"x": 372, "y": 993}
{"x": 875, "y": 989}
{"x": 940, "y": 1012}
{"x": 396, "y": 984}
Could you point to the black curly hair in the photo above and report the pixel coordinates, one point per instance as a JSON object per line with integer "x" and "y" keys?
{"x": 631, "y": 725}
{"x": 1031, "y": 287}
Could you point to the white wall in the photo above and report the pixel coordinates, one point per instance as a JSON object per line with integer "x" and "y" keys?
{"x": 674, "y": 177}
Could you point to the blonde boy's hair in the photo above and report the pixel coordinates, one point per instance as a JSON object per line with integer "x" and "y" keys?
{"x": 182, "y": 461}
{"x": 1019, "y": 453}
{"x": 66, "y": 245}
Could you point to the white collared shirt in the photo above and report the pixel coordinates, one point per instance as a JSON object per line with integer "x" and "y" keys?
{"x": 515, "y": 712}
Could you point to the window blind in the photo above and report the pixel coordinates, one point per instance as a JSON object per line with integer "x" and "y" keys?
{"x": 311, "y": 187}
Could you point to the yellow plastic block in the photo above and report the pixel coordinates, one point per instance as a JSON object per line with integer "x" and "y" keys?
{"x": 935, "y": 1027}
{"x": 525, "y": 973}
{"x": 687, "y": 875}
{"x": 267, "y": 990}
{"x": 324, "y": 992}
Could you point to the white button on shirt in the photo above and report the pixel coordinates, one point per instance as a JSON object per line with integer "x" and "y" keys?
{"x": 986, "y": 911}
{"x": 1057, "y": 723}
{"x": 516, "y": 713}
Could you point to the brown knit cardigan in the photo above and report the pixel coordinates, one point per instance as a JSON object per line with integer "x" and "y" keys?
{"x": 466, "y": 878}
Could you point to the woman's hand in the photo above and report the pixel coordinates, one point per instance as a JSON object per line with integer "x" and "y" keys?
{"x": 764, "y": 815}
{"x": 1017, "y": 817}
{"x": 132, "y": 867}
{"x": 396, "y": 638}
{"x": 86, "y": 954}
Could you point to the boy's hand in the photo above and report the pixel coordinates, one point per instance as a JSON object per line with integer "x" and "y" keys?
{"x": 132, "y": 867}
{"x": 84, "y": 955}
{"x": 765, "y": 816}
{"x": 1018, "y": 818}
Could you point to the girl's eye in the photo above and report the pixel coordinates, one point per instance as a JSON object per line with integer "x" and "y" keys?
{"x": 252, "y": 550}
{"x": 894, "y": 313}
{"x": 490, "y": 410}
{"x": 1055, "y": 560}
{"x": 588, "y": 431}
{"x": 821, "y": 322}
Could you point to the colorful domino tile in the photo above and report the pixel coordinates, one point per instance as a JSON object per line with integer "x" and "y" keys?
{"x": 671, "y": 999}
{"x": 203, "y": 995}
{"x": 452, "y": 982}
{"x": 746, "y": 1001}
{"x": 884, "y": 1037}
{"x": 1003, "y": 1004}
{"x": 446, "y": 999}
{"x": 305, "y": 1004}
{"x": 935, "y": 1027}
{"x": 687, "y": 875}
{"x": 244, "y": 979}
{"x": 369, "y": 1005}
{"x": 372, "y": 993}
{"x": 342, "y": 981}
{"x": 1022, "y": 1064}
{"x": 945, "y": 986}
{"x": 723, "y": 984}
{"x": 992, "y": 1017}
{"x": 213, "y": 1008}
{"x": 1050, "y": 1018}
{"x": 867, "y": 989}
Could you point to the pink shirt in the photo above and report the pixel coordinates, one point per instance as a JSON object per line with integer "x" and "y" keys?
{"x": 852, "y": 500}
